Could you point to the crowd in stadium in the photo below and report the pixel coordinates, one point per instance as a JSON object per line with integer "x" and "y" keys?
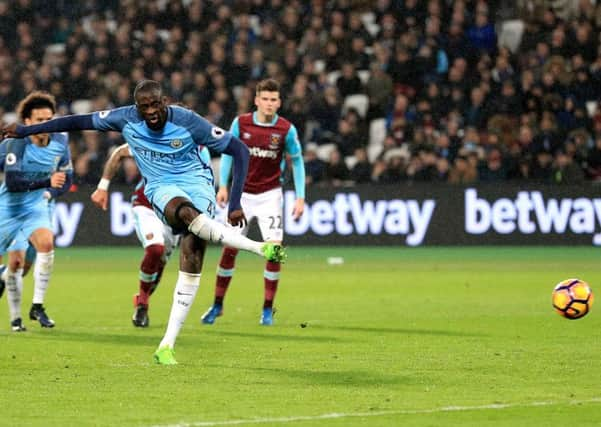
{"x": 381, "y": 91}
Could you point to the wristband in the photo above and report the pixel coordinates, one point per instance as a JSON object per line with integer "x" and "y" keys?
{"x": 104, "y": 184}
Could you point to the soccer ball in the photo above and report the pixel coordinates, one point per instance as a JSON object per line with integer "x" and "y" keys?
{"x": 572, "y": 298}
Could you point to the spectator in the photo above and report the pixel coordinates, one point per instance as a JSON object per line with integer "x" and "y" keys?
{"x": 482, "y": 37}
{"x": 314, "y": 167}
{"x": 379, "y": 89}
{"x": 493, "y": 169}
{"x": 336, "y": 172}
{"x": 462, "y": 171}
{"x": 431, "y": 63}
{"x": 349, "y": 83}
{"x": 326, "y": 110}
{"x": 565, "y": 171}
{"x": 362, "y": 169}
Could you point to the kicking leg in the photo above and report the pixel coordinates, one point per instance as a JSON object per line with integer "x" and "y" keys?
{"x": 180, "y": 211}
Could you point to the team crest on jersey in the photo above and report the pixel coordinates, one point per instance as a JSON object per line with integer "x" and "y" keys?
{"x": 246, "y": 135}
{"x": 176, "y": 143}
{"x": 274, "y": 141}
{"x": 11, "y": 159}
{"x": 104, "y": 114}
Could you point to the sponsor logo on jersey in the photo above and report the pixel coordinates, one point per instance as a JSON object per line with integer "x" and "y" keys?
{"x": 265, "y": 154}
{"x": 176, "y": 143}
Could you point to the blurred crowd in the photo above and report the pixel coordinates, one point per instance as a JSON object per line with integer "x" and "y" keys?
{"x": 382, "y": 91}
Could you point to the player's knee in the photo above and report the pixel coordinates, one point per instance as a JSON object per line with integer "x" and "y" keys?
{"x": 204, "y": 227}
{"x": 185, "y": 212}
{"x": 15, "y": 263}
{"x": 154, "y": 252}
{"x": 45, "y": 246}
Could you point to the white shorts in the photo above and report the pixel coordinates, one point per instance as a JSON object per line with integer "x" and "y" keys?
{"x": 268, "y": 209}
{"x": 151, "y": 230}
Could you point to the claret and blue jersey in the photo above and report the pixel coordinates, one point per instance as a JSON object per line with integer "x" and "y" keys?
{"x": 268, "y": 143}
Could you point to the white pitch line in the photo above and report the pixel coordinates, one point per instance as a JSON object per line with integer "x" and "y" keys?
{"x": 494, "y": 406}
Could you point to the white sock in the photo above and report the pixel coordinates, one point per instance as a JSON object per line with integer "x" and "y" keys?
{"x": 183, "y": 296}
{"x": 44, "y": 262}
{"x": 213, "y": 231}
{"x": 14, "y": 288}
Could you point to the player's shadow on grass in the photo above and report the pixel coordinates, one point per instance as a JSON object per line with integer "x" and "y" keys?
{"x": 403, "y": 331}
{"x": 278, "y": 337}
{"x": 98, "y": 337}
{"x": 348, "y": 378}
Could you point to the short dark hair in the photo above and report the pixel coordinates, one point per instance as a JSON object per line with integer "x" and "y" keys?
{"x": 146, "y": 86}
{"x": 33, "y": 101}
{"x": 269, "y": 85}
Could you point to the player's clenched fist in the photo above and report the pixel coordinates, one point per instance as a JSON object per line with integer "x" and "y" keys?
{"x": 237, "y": 218}
{"x": 57, "y": 179}
{"x": 9, "y": 131}
{"x": 100, "y": 198}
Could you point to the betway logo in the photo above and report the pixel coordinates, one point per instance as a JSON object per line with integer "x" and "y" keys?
{"x": 259, "y": 152}
{"x": 529, "y": 213}
{"x": 348, "y": 214}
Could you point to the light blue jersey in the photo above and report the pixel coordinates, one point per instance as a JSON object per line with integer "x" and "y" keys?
{"x": 32, "y": 163}
{"x": 171, "y": 155}
{"x": 31, "y": 166}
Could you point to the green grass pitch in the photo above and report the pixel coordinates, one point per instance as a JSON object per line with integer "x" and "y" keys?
{"x": 391, "y": 337}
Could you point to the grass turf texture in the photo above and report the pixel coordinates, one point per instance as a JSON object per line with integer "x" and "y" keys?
{"x": 391, "y": 337}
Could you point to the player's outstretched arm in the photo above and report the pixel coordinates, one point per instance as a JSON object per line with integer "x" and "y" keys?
{"x": 60, "y": 124}
{"x": 100, "y": 195}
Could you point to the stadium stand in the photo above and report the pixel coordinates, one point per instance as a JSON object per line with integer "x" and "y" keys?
{"x": 465, "y": 75}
